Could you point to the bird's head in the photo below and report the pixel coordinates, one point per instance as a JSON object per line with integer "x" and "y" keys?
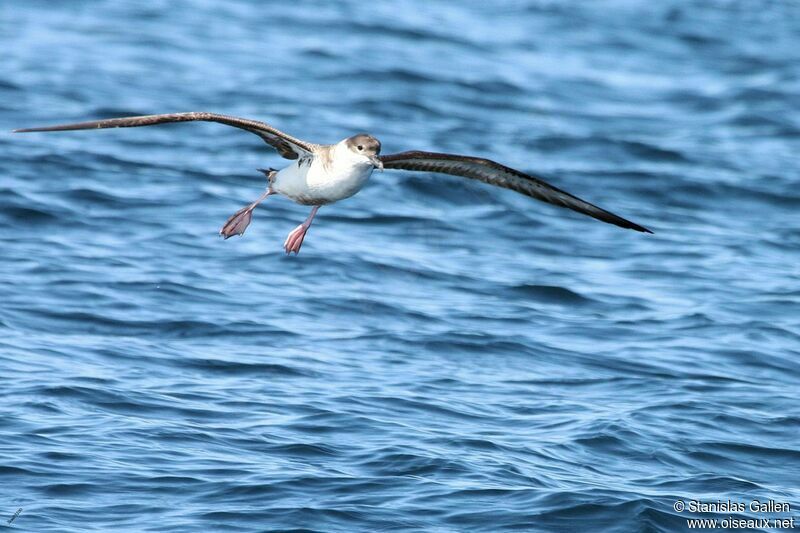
{"x": 365, "y": 147}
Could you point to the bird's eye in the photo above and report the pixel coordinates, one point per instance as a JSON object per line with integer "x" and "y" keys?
{"x": 360, "y": 147}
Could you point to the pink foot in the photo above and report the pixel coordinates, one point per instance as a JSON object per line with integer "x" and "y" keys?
{"x": 295, "y": 239}
{"x": 237, "y": 223}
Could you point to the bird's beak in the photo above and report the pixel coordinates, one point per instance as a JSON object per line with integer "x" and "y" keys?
{"x": 377, "y": 162}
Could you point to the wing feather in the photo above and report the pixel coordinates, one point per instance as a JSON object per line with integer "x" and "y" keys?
{"x": 494, "y": 173}
{"x": 286, "y": 145}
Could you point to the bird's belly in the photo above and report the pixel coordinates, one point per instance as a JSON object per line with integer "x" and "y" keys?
{"x": 315, "y": 185}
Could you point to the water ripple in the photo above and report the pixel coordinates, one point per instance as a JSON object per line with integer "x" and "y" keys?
{"x": 443, "y": 355}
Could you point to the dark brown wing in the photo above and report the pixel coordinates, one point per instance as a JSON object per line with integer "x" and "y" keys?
{"x": 496, "y": 174}
{"x": 286, "y": 145}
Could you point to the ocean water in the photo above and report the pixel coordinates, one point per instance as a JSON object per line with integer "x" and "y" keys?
{"x": 442, "y": 355}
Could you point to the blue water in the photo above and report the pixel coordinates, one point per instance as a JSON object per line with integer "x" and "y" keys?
{"x": 442, "y": 355}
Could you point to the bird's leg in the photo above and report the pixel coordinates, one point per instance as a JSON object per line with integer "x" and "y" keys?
{"x": 239, "y": 221}
{"x": 295, "y": 239}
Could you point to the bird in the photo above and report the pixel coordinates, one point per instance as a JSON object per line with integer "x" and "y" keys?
{"x": 321, "y": 174}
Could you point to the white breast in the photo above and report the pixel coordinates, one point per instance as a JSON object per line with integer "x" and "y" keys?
{"x": 333, "y": 174}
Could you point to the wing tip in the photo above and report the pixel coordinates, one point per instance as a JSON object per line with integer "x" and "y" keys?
{"x": 642, "y": 229}
{"x": 627, "y": 224}
{"x": 29, "y": 130}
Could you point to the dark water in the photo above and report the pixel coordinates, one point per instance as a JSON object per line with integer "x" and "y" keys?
{"x": 442, "y": 355}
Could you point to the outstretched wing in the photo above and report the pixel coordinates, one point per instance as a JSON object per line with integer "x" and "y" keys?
{"x": 488, "y": 171}
{"x": 286, "y": 145}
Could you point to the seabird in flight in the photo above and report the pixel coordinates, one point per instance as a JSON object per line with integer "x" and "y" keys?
{"x": 322, "y": 174}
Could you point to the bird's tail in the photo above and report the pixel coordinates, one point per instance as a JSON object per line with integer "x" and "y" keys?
{"x": 269, "y": 173}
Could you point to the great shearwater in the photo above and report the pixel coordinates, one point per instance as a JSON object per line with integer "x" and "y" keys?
{"x": 325, "y": 173}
